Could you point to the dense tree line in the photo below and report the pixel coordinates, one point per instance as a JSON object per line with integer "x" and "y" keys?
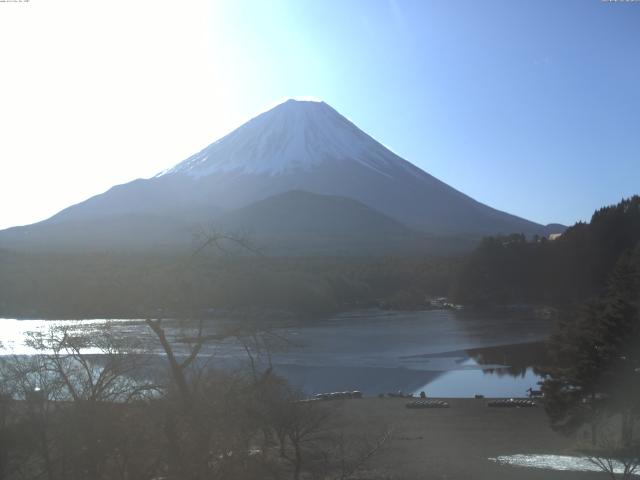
{"x": 568, "y": 270}
{"x": 124, "y": 285}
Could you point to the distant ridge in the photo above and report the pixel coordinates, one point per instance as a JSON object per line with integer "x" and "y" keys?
{"x": 320, "y": 223}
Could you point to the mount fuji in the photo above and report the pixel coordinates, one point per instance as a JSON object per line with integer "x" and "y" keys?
{"x": 297, "y": 174}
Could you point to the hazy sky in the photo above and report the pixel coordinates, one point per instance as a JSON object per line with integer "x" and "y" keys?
{"x": 530, "y": 107}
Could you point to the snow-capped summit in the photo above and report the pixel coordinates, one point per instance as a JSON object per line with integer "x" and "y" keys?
{"x": 294, "y": 135}
{"x": 349, "y": 191}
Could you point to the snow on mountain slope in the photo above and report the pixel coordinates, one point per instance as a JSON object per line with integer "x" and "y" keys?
{"x": 295, "y": 135}
{"x": 296, "y": 146}
{"x": 303, "y": 145}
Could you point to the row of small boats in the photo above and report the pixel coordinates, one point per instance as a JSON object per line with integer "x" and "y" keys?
{"x": 508, "y": 403}
{"x": 512, "y": 403}
{"x": 339, "y": 395}
{"x": 427, "y": 404}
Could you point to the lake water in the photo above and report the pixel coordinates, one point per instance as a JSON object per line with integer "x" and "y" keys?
{"x": 445, "y": 353}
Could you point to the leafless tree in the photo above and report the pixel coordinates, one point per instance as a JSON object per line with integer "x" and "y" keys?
{"x": 352, "y": 454}
{"x": 91, "y": 405}
{"x": 74, "y": 398}
{"x": 614, "y": 454}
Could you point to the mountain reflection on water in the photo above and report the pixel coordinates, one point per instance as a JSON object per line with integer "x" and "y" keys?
{"x": 445, "y": 353}
{"x": 498, "y": 357}
{"x": 515, "y": 360}
{"x": 498, "y": 371}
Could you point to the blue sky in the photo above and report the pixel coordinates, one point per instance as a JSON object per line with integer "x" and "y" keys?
{"x": 531, "y": 107}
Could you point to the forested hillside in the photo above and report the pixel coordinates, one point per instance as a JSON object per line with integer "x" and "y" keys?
{"x": 118, "y": 285}
{"x": 572, "y": 268}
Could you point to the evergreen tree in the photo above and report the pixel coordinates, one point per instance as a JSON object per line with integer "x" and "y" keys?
{"x": 597, "y": 358}
{"x": 566, "y": 271}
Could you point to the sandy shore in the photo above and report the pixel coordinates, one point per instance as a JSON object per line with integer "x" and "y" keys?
{"x": 456, "y": 443}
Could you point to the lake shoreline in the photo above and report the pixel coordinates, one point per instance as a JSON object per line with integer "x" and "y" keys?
{"x": 538, "y": 311}
{"x": 445, "y": 352}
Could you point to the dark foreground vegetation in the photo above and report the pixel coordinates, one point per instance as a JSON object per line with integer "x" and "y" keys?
{"x": 594, "y": 384}
{"x": 124, "y": 414}
{"x": 70, "y": 415}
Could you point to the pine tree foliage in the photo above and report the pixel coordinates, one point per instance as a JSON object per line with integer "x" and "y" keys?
{"x": 596, "y": 353}
{"x": 569, "y": 270}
